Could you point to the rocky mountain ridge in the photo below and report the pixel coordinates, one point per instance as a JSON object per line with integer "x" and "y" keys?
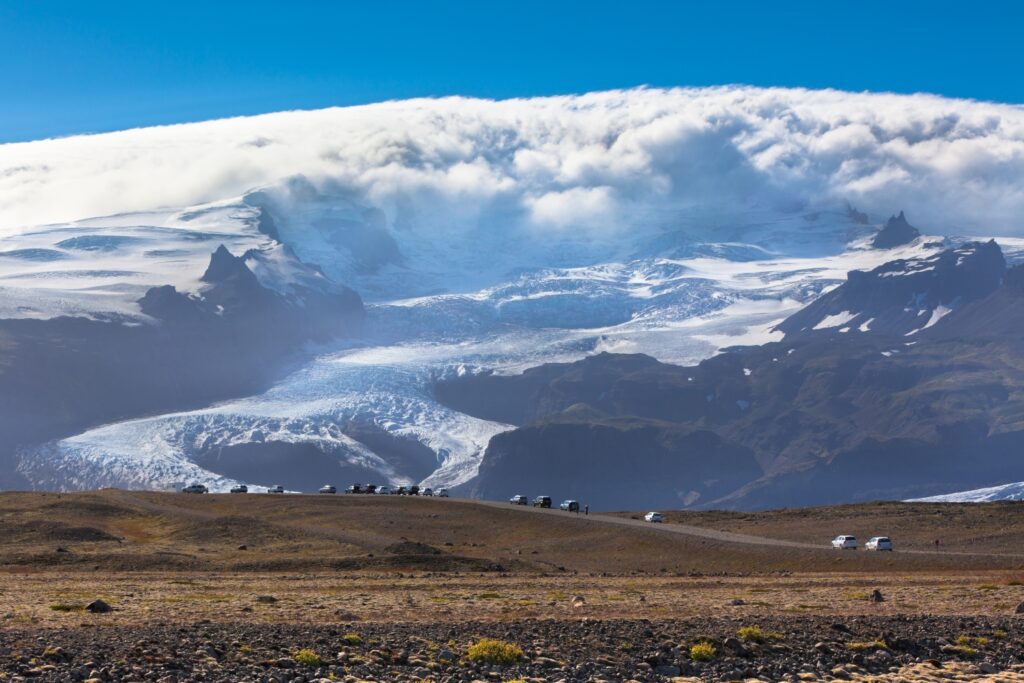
{"x": 827, "y": 415}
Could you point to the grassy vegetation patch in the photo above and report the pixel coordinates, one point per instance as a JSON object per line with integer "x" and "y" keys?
{"x": 352, "y": 639}
{"x": 492, "y": 651}
{"x": 865, "y": 646}
{"x": 751, "y": 634}
{"x": 972, "y": 641}
{"x": 703, "y": 652}
{"x": 306, "y": 657}
{"x": 66, "y": 607}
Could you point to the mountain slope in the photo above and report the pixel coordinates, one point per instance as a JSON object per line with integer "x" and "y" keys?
{"x": 230, "y": 338}
{"x": 827, "y": 417}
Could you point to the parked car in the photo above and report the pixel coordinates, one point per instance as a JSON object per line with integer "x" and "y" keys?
{"x": 427, "y": 492}
{"x": 414, "y": 490}
{"x": 402, "y": 491}
{"x": 328, "y": 488}
{"x": 383, "y": 490}
{"x": 442, "y": 493}
{"x": 241, "y": 488}
{"x": 518, "y": 500}
{"x": 542, "y": 502}
{"x": 276, "y": 489}
{"x": 194, "y": 488}
{"x": 354, "y": 488}
{"x": 569, "y": 506}
{"x": 370, "y": 488}
{"x": 653, "y": 517}
{"x": 879, "y": 543}
{"x": 844, "y": 542}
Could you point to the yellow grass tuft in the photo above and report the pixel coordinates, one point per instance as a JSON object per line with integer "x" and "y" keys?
{"x": 491, "y": 651}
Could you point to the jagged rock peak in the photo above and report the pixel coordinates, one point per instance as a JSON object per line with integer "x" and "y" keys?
{"x": 895, "y": 232}
{"x": 224, "y": 265}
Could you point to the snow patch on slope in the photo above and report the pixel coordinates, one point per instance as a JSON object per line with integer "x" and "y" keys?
{"x": 1013, "y": 491}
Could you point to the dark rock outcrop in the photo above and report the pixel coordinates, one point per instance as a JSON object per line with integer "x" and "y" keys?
{"x": 901, "y": 297}
{"x": 896, "y": 232}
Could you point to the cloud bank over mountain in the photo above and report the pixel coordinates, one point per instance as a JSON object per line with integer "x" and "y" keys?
{"x": 607, "y": 161}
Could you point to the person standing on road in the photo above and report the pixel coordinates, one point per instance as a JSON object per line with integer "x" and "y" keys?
{"x": 586, "y": 510}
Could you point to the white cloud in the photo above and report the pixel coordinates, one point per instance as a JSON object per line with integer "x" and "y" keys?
{"x": 610, "y": 158}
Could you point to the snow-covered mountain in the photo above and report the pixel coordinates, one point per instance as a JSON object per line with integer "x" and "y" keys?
{"x": 482, "y": 237}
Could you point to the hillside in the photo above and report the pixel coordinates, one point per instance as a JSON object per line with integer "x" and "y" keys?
{"x": 127, "y": 531}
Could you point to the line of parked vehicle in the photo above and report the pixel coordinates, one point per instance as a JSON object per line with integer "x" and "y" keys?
{"x": 568, "y": 505}
{"x": 847, "y": 542}
{"x": 366, "y": 489}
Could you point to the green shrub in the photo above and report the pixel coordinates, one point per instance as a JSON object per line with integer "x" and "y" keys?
{"x": 491, "y": 651}
{"x": 751, "y": 634}
{"x": 352, "y": 639}
{"x": 703, "y": 652}
{"x": 864, "y": 646}
{"x": 306, "y": 657}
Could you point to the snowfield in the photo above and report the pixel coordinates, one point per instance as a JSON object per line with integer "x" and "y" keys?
{"x": 1013, "y": 491}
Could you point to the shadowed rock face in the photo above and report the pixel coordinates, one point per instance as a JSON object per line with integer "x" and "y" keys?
{"x": 896, "y": 231}
{"x": 826, "y": 417}
{"x": 61, "y": 376}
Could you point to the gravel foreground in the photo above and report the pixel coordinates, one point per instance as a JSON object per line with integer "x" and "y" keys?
{"x": 783, "y": 649}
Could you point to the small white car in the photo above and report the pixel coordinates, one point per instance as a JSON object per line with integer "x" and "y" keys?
{"x": 653, "y": 517}
{"x": 276, "y": 489}
{"x": 194, "y": 488}
{"x": 427, "y": 492}
{"x": 241, "y": 488}
{"x": 442, "y": 493}
{"x": 383, "y": 490}
{"x": 328, "y": 488}
{"x": 844, "y": 542}
{"x": 879, "y": 543}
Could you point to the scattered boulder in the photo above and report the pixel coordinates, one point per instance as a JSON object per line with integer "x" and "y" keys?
{"x": 735, "y": 646}
{"x": 876, "y": 596}
{"x": 1020, "y": 609}
{"x": 266, "y": 599}
{"x": 98, "y": 607}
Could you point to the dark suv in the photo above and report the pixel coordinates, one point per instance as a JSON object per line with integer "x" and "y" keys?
{"x": 542, "y": 502}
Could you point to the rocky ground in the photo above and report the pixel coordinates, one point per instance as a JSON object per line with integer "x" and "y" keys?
{"x": 712, "y": 649}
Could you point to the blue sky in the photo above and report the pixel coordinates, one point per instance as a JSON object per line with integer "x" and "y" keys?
{"x": 71, "y": 67}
